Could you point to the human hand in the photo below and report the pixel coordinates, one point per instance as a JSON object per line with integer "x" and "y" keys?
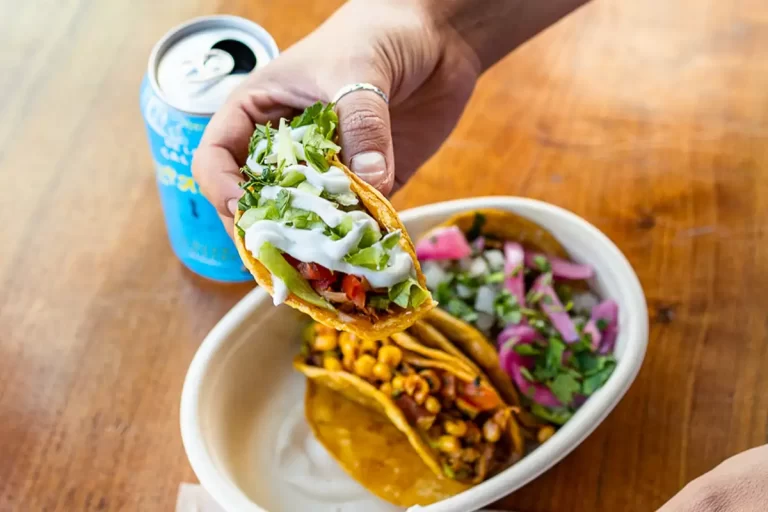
{"x": 740, "y": 484}
{"x": 426, "y": 55}
{"x": 427, "y": 73}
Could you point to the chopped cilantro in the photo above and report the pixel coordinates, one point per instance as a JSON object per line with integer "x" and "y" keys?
{"x": 525, "y": 349}
{"x": 494, "y": 278}
{"x": 283, "y": 202}
{"x": 507, "y": 309}
{"x": 602, "y": 324}
{"x": 542, "y": 263}
{"x": 564, "y": 386}
{"x": 595, "y": 381}
{"x": 316, "y": 159}
{"x": 460, "y": 309}
{"x": 558, "y": 416}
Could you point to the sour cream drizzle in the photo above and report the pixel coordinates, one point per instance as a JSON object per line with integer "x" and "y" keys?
{"x": 312, "y": 245}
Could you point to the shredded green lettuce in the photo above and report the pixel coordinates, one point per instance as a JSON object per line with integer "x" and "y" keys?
{"x": 390, "y": 241}
{"x": 292, "y": 179}
{"x": 408, "y": 293}
{"x": 307, "y": 187}
{"x": 373, "y": 257}
{"x": 273, "y": 259}
{"x": 370, "y": 237}
{"x": 286, "y": 153}
{"x": 268, "y": 211}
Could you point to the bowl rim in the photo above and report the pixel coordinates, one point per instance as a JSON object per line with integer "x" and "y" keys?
{"x": 565, "y": 440}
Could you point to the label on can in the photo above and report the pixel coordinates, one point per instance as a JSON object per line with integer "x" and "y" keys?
{"x": 197, "y": 236}
{"x": 191, "y": 71}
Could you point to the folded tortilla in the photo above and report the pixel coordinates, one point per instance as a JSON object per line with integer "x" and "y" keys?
{"x": 354, "y": 434}
{"x": 387, "y": 323}
{"x": 504, "y": 226}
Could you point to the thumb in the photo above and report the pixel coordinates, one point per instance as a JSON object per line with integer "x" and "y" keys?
{"x": 366, "y": 138}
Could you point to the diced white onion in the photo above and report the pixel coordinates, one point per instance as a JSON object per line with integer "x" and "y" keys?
{"x": 495, "y": 259}
{"x": 478, "y": 267}
{"x": 434, "y": 274}
{"x": 464, "y": 292}
{"x": 484, "y": 300}
{"x": 585, "y": 301}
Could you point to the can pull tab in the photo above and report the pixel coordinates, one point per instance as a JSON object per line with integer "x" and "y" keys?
{"x": 210, "y": 67}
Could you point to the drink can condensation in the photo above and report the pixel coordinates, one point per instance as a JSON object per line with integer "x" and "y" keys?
{"x": 191, "y": 72}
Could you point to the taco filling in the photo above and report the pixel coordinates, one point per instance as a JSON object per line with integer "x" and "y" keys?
{"x": 300, "y": 218}
{"x": 462, "y": 419}
{"x": 515, "y": 284}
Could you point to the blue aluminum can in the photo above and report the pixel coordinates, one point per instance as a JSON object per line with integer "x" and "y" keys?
{"x": 191, "y": 71}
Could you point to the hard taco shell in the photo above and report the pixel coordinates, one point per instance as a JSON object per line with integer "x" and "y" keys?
{"x": 383, "y": 211}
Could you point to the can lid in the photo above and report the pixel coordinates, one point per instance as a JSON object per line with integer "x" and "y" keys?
{"x": 198, "y": 64}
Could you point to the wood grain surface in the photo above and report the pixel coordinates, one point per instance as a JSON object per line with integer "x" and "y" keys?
{"x": 648, "y": 118}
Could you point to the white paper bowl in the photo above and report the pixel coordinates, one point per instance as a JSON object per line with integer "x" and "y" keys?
{"x": 242, "y": 419}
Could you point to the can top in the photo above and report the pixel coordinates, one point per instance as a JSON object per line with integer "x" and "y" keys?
{"x": 196, "y": 65}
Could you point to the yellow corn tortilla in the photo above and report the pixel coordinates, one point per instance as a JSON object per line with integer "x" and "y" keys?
{"x": 477, "y": 347}
{"x": 383, "y": 211}
{"x": 368, "y": 445}
{"x": 374, "y": 406}
{"x": 502, "y": 225}
{"x": 508, "y": 226}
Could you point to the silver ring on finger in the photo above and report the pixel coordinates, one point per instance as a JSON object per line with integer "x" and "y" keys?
{"x": 361, "y": 86}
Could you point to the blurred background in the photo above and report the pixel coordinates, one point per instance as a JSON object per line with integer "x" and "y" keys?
{"x": 648, "y": 118}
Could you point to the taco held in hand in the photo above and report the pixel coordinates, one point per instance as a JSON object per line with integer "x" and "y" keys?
{"x": 453, "y": 418}
{"x": 319, "y": 238}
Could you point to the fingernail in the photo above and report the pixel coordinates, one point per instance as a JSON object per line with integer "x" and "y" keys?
{"x": 370, "y": 166}
{"x": 232, "y": 206}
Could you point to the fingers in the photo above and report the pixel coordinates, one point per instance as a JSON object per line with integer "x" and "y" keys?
{"x": 366, "y": 136}
{"x": 224, "y": 147}
{"x": 217, "y": 161}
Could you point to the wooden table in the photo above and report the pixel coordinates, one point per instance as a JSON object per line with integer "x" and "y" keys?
{"x": 649, "y": 119}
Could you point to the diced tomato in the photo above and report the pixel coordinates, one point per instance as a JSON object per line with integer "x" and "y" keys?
{"x": 482, "y": 396}
{"x": 313, "y": 271}
{"x": 354, "y": 290}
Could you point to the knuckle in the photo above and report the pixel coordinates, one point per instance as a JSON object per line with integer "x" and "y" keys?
{"x": 366, "y": 125}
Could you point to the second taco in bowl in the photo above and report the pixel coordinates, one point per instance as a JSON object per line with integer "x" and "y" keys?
{"x": 449, "y": 414}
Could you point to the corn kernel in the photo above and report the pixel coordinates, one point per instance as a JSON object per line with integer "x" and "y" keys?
{"x": 321, "y": 329}
{"x": 386, "y": 388}
{"x": 491, "y": 431}
{"x": 390, "y": 355}
{"x": 432, "y": 405}
{"x": 417, "y": 388}
{"x": 456, "y": 428}
{"x": 382, "y": 372}
{"x": 448, "y": 444}
{"x": 398, "y": 383}
{"x": 348, "y": 343}
{"x": 325, "y": 342}
{"x": 432, "y": 379}
{"x": 364, "y": 366}
{"x": 331, "y": 364}
{"x": 545, "y": 433}
{"x": 470, "y": 410}
{"x": 369, "y": 346}
{"x": 470, "y": 454}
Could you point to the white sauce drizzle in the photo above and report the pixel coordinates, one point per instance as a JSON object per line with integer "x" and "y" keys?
{"x": 312, "y": 245}
{"x": 333, "y": 181}
{"x": 280, "y": 291}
